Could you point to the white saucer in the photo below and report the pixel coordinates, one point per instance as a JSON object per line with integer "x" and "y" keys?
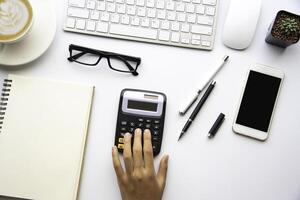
{"x": 38, "y": 40}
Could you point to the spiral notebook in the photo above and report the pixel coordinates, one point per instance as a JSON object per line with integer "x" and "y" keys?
{"x": 43, "y": 126}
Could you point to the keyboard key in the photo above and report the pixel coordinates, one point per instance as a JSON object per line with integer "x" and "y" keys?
{"x": 196, "y": 42}
{"x": 180, "y": 6}
{"x": 191, "y": 18}
{"x": 205, "y": 30}
{"x": 141, "y": 11}
{"x": 123, "y": 123}
{"x": 160, "y": 4}
{"x": 102, "y": 27}
{"x": 132, "y": 124}
{"x": 206, "y": 20}
{"x": 78, "y": 12}
{"x": 91, "y": 26}
{"x": 190, "y": 8}
{"x": 205, "y": 43}
{"x": 148, "y": 126}
{"x": 111, "y": 7}
{"x": 175, "y": 37}
{"x": 133, "y": 31}
{"x": 156, "y": 122}
{"x": 130, "y": 10}
{"x": 121, "y": 8}
{"x": 91, "y": 4}
{"x": 95, "y": 15}
{"x": 101, "y": 6}
{"x": 151, "y": 12}
{"x": 150, "y": 3}
{"x": 148, "y": 120}
{"x": 141, "y": 120}
{"x": 140, "y": 2}
{"x": 80, "y": 24}
{"x": 77, "y": 3}
{"x": 123, "y": 129}
{"x": 175, "y": 26}
{"x": 200, "y": 9}
{"x": 164, "y": 35}
{"x": 209, "y": 2}
{"x": 181, "y": 17}
{"x": 70, "y": 23}
{"x": 165, "y": 25}
{"x": 130, "y": 2}
{"x": 104, "y": 16}
{"x": 115, "y": 18}
{"x": 171, "y": 15}
{"x": 185, "y": 28}
{"x": 145, "y": 22}
{"x": 121, "y": 140}
{"x": 155, "y": 139}
{"x": 155, "y": 23}
{"x": 124, "y": 19}
{"x": 170, "y": 5}
{"x": 161, "y": 14}
{"x": 210, "y": 10}
{"x": 135, "y": 21}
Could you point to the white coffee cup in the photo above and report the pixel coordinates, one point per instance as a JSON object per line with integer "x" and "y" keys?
{"x": 16, "y": 20}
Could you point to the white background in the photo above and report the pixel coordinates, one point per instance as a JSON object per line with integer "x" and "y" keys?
{"x": 227, "y": 167}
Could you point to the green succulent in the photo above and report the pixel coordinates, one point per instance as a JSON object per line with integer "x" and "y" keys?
{"x": 289, "y": 26}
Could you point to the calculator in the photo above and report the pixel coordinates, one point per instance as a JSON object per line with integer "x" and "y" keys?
{"x": 141, "y": 109}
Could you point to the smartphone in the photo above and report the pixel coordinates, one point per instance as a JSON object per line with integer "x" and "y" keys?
{"x": 257, "y": 103}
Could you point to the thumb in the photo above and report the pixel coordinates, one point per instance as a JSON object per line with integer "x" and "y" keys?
{"x": 162, "y": 171}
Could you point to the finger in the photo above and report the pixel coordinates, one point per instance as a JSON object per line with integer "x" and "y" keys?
{"x": 137, "y": 149}
{"x": 162, "y": 171}
{"x": 148, "y": 151}
{"x": 116, "y": 162}
{"x": 127, "y": 153}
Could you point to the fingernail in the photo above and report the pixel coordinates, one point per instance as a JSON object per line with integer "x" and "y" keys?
{"x": 127, "y": 135}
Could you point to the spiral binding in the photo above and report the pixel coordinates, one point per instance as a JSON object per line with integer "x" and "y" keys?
{"x": 4, "y": 98}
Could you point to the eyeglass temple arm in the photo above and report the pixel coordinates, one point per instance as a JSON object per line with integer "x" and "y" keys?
{"x": 76, "y": 56}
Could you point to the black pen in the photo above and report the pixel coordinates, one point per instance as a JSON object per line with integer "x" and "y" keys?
{"x": 197, "y": 109}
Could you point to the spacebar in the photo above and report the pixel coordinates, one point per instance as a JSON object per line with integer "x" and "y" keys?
{"x": 133, "y": 31}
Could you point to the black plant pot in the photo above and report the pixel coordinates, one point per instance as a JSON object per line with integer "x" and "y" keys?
{"x": 271, "y": 37}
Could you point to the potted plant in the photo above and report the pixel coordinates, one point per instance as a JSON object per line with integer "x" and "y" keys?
{"x": 285, "y": 29}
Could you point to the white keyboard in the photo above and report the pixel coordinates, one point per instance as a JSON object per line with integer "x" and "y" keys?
{"x": 184, "y": 23}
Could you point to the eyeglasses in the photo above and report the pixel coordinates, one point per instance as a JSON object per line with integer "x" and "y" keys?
{"x": 92, "y": 57}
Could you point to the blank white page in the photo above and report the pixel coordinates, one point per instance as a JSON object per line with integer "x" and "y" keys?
{"x": 42, "y": 140}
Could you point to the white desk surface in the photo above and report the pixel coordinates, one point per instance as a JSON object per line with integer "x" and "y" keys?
{"x": 229, "y": 166}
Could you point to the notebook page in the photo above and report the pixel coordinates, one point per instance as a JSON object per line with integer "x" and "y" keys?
{"x": 43, "y": 138}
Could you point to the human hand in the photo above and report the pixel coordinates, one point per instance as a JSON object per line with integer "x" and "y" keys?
{"x": 139, "y": 180}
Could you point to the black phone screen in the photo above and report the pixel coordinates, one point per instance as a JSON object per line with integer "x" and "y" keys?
{"x": 258, "y": 101}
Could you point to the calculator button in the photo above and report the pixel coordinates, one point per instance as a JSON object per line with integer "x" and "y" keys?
{"x": 121, "y": 140}
{"x": 123, "y": 123}
{"x": 131, "y": 130}
{"x": 155, "y": 139}
{"x": 154, "y": 147}
{"x": 156, "y": 127}
{"x": 120, "y": 146}
{"x": 156, "y": 121}
{"x": 140, "y": 125}
{"x": 141, "y": 120}
{"x": 132, "y": 124}
{"x": 148, "y": 120}
{"x": 123, "y": 129}
{"x": 155, "y": 133}
{"x": 148, "y": 126}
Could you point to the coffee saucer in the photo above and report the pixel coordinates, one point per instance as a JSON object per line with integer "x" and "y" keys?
{"x": 37, "y": 41}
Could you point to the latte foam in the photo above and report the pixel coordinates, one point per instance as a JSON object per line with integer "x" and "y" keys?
{"x": 15, "y": 17}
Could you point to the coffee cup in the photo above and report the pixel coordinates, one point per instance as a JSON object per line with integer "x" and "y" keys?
{"x": 16, "y": 20}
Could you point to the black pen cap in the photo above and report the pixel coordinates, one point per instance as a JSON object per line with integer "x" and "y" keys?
{"x": 214, "y": 129}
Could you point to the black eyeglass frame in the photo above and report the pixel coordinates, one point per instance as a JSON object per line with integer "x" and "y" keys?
{"x": 107, "y": 55}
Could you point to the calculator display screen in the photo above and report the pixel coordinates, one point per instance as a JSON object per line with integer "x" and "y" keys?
{"x": 139, "y": 105}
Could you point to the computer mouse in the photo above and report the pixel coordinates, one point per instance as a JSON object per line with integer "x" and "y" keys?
{"x": 241, "y": 22}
